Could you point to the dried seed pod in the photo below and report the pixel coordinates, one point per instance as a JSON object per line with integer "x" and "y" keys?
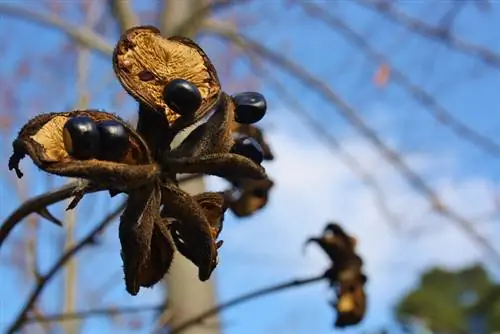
{"x": 144, "y": 62}
{"x": 144, "y": 263}
{"x": 42, "y": 139}
{"x": 253, "y": 196}
{"x": 253, "y": 131}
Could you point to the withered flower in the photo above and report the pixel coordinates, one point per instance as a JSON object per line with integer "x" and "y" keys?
{"x": 184, "y": 127}
{"x": 345, "y": 274}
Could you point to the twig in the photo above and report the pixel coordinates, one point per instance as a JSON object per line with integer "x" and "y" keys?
{"x": 353, "y": 117}
{"x": 440, "y": 113}
{"x": 123, "y": 13}
{"x": 441, "y": 34}
{"x": 82, "y": 35}
{"x": 20, "y": 319}
{"x": 100, "y": 312}
{"x": 295, "y": 107}
{"x": 41, "y": 202}
{"x": 244, "y": 298}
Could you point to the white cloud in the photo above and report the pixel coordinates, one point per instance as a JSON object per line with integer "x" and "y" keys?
{"x": 314, "y": 187}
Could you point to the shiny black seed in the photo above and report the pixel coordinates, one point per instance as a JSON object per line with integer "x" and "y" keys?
{"x": 114, "y": 141}
{"x": 250, "y": 107}
{"x": 249, "y": 148}
{"x": 81, "y": 137}
{"x": 182, "y": 96}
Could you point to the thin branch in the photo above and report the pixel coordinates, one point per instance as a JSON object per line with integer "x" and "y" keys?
{"x": 353, "y": 117}
{"x": 317, "y": 128}
{"x": 388, "y": 10}
{"x": 202, "y": 13}
{"x": 100, "y": 312}
{"x": 244, "y": 298}
{"x": 86, "y": 37}
{"x": 440, "y": 113}
{"x": 20, "y": 319}
{"x": 40, "y": 202}
{"x": 123, "y": 14}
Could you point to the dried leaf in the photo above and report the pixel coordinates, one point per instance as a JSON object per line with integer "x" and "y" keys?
{"x": 144, "y": 62}
{"x": 382, "y": 75}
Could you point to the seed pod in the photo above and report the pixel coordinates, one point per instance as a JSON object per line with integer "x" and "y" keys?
{"x": 42, "y": 139}
{"x": 253, "y": 196}
{"x": 144, "y": 61}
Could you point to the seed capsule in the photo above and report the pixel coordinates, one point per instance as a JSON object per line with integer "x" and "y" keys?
{"x": 182, "y": 96}
{"x": 81, "y": 137}
{"x": 114, "y": 141}
{"x": 249, "y": 148}
{"x": 250, "y": 107}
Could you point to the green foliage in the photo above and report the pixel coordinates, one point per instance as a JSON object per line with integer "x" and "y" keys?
{"x": 446, "y": 299}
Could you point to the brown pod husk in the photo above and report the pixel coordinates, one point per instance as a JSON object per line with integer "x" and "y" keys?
{"x": 147, "y": 250}
{"x": 351, "y": 298}
{"x": 145, "y": 61}
{"x": 191, "y": 231}
{"x": 254, "y": 196}
{"x": 42, "y": 140}
{"x": 214, "y": 205}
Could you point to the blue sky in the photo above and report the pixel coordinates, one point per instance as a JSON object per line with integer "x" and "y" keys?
{"x": 313, "y": 185}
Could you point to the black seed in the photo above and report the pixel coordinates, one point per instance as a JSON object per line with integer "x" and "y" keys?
{"x": 249, "y": 148}
{"x": 114, "y": 141}
{"x": 81, "y": 137}
{"x": 250, "y": 107}
{"x": 182, "y": 96}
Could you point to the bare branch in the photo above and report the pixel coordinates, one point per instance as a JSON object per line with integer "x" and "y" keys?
{"x": 353, "y": 117}
{"x": 100, "y": 312}
{"x": 123, "y": 14}
{"x": 244, "y": 298}
{"x": 317, "y": 128}
{"x": 440, "y": 113}
{"x": 20, "y": 319}
{"x": 176, "y": 13}
{"x": 82, "y": 35}
{"x": 40, "y": 202}
{"x": 388, "y": 10}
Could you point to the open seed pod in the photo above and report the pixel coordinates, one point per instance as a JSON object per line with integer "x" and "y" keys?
{"x": 251, "y": 196}
{"x": 89, "y": 144}
{"x": 145, "y": 62}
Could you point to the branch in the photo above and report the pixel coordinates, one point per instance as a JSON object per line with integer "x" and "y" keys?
{"x": 202, "y": 13}
{"x": 41, "y": 202}
{"x": 440, "y": 113}
{"x": 445, "y": 36}
{"x": 123, "y": 14}
{"x": 244, "y": 298}
{"x": 295, "y": 106}
{"x": 82, "y": 35}
{"x": 20, "y": 319}
{"x": 353, "y": 117}
{"x": 100, "y": 312}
